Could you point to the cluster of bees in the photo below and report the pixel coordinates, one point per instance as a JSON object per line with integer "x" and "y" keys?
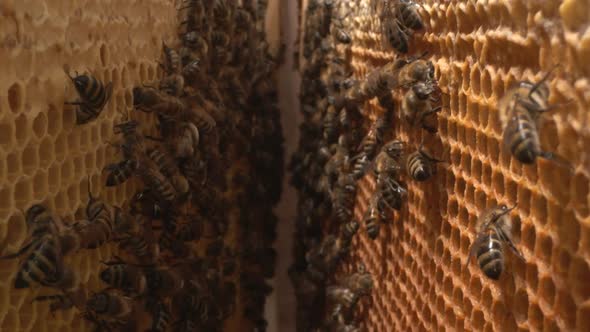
{"x": 210, "y": 176}
{"x": 337, "y": 148}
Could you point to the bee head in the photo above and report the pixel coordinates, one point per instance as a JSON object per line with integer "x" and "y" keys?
{"x": 81, "y": 82}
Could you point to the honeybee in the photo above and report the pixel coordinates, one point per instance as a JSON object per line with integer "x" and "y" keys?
{"x": 161, "y": 316}
{"x": 417, "y": 104}
{"x": 373, "y": 217}
{"x": 391, "y": 191}
{"x": 120, "y": 172}
{"x": 109, "y": 308}
{"x": 93, "y": 97}
{"x": 191, "y": 69}
{"x": 151, "y": 100}
{"x": 159, "y": 184}
{"x": 341, "y": 296}
{"x": 44, "y": 262}
{"x": 394, "y": 33}
{"x": 407, "y": 14}
{"x": 342, "y": 36}
{"x": 139, "y": 247}
{"x": 172, "y": 85}
{"x": 348, "y": 230}
{"x": 168, "y": 167}
{"x": 420, "y": 165}
{"x": 494, "y": 228}
{"x": 196, "y": 42}
{"x": 343, "y": 197}
{"x": 172, "y": 62}
{"x": 519, "y": 111}
{"x": 415, "y": 69}
{"x": 323, "y": 257}
{"x": 146, "y": 203}
{"x": 169, "y": 241}
{"x": 360, "y": 282}
{"x": 164, "y": 282}
{"x": 98, "y": 228}
{"x": 123, "y": 276}
{"x": 330, "y": 123}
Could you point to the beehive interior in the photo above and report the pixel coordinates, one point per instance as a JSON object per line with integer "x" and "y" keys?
{"x": 479, "y": 50}
{"x": 46, "y": 158}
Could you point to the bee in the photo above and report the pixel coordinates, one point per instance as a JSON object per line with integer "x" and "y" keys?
{"x": 343, "y": 197}
{"x": 98, "y": 228}
{"x": 494, "y": 228}
{"x": 413, "y": 70}
{"x": 408, "y": 15}
{"x": 341, "y": 296}
{"x": 172, "y": 85}
{"x": 159, "y": 184}
{"x": 161, "y": 316}
{"x": 120, "y": 172}
{"x": 323, "y": 257}
{"x": 196, "y": 42}
{"x": 519, "y": 111}
{"x": 164, "y": 282}
{"x": 139, "y": 246}
{"x": 172, "y": 62}
{"x": 44, "y": 262}
{"x": 146, "y": 204}
{"x": 348, "y": 230}
{"x": 123, "y": 276}
{"x": 110, "y": 307}
{"x": 342, "y": 36}
{"x": 330, "y": 123}
{"x": 191, "y": 69}
{"x": 93, "y": 97}
{"x": 168, "y": 167}
{"x": 169, "y": 241}
{"x": 391, "y": 191}
{"x": 417, "y": 104}
{"x": 151, "y": 100}
{"x": 373, "y": 217}
{"x": 360, "y": 282}
{"x": 420, "y": 165}
{"x": 394, "y": 34}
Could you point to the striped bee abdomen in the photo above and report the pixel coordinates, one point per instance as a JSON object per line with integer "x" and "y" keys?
{"x": 419, "y": 168}
{"x": 521, "y": 136}
{"x": 41, "y": 266}
{"x": 120, "y": 172}
{"x": 490, "y": 256}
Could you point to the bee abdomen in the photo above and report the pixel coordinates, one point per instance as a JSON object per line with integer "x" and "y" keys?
{"x": 120, "y": 172}
{"x": 521, "y": 137}
{"x": 419, "y": 169}
{"x": 491, "y": 258}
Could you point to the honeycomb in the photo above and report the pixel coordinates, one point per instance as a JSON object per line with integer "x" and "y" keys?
{"x": 46, "y": 157}
{"x": 480, "y": 49}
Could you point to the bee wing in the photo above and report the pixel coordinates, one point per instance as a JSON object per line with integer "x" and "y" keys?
{"x": 507, "y": 238}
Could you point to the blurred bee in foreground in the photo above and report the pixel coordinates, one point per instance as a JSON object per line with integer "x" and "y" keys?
{"x": 399, "y": 20}
{"x": 93, "y": 97}
{"x": 494, "y": 228}
{"x": 416, "y": 105}
{"x": 519, "y": 111}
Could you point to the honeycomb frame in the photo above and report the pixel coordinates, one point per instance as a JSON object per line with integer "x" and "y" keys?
{"x": 419, "y": 259}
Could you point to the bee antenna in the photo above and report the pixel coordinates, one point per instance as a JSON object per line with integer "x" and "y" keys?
{"x": 543, "y": 79}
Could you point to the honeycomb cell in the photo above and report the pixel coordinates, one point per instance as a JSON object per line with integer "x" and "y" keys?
{"x": 60, "y": 148}
{"x": 583, "y": 318}
{"x": 23, "y": 193}
{"x": 547, "y": 290}
{"x": 521, "y": 305}
{"x": 40, "y": 185}
{"x": 13, "y": 166}
{"x": 486, "y": 83}
{"x": 580, "y": 194}
{"x": 16, "y": 97}
{"x": 565, "y": 307}
{"x": 532, "y": 276}
{"x": 54, "y": 121}
{"x": 11, "y": 321}
{"x": 40, "y": 125}
{"x": 578, "y": 278}
{"x": 104, "y": 55}
{"x": 54, "y": 177}
{"x": 30, "y": 160}
{"x": 7, "y": 137}
{"x": 17, "y": 229}
{"x": 21, "y": 130}
{"x": 6, "y": 199}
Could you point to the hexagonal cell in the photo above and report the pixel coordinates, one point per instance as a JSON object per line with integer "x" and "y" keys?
{"x": 54, "y": 120}
{"x": 22, "y": 129}
{"x": 40, "y": 125}
{"x": 7, "y": 137}
{"x": 104, "y": 54}
{"x": 16, "y": 97}
{"x": 23, "y": 193}
{"x": 46, "y": 150}
{"x": 61, "y": 203}
{"x": 61, "y": 148}
{"x": 54, "y": 177}
{"x": 13, "y": 165}
{"x": 67, "y": 170}
{"x": 486, "y": 83}
{"x": 565, "y": 307}
{"x": 30, "y": 160}
{"x": 535, "y": 316}
{"x": 11, "y": 321}
{"x": 143, "y": 74}
{"x": 40, "y": 184}
{"x": 74, "y": 141}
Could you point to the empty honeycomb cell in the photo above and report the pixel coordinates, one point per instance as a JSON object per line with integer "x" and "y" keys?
{"x": 498, "y": 182}
{"x": 54, "y": 120}
{"x": 74, "y": 193}
{"x": 74, "y": 141}
{"x": 486, "y": 297}
{"x": 143, "y": 74}
{"x": 486, "y": 175}
{"x": 565, "y": 307}
{"x": 152, "y": 73}
{"x": 528, "y": 236}
{"x": 11, "y": 321}
{"x": 470, "y": 138}
{"x": 532, "y": 276}
{"x": 128, "y": 98}
{"x": 583, "y": 318}
{"x": 484, "y": 114}
{"x": 568, "y": 230}
{"x": 13, "y": 165}
{"x": 486, "y": 83}
{"x": 17, "y": 229}
{"x": 462, "y": 108}
{"x": 521, "y": 305}
{"x": 578, "y": 276}
{"x": 580, "y": 194}
{"x": 539, "y": 208}
{"x": 67, "y": 169}
{"x": 547, "y": 290}
{"x": 16, "y": 97}
{"x": 562, "y": 260}
{"x": 30, "y": 160}
{"x": 23, "y": 193}
{"x": 60, "y": 148}
{"x": 21, "y": 130}
{"x": 544, "y": 246}
{"x": 7, "y": 136}
{"x": 40, "y": 184}
{"x": 54, "y": 177}
{"x": 511, "y": 189}
{"x": 104, "y": 55}
{"x": 480, "y": 198}
{"x": 493, "y": 149}
{"x": 6, "y": 199}
{"x": 40, "y": 125}
{"x": 535, "y": 316}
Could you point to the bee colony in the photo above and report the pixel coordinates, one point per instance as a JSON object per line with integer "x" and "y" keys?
{"x": 140, "y": 148}
{"x": 443, "y": 168}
